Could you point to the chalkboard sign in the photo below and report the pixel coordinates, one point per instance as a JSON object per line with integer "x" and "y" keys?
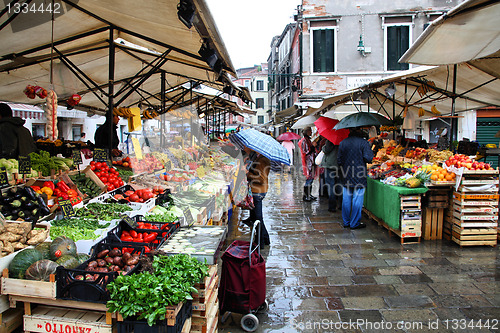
{"x": 77, "y": 156}
{"x": 66, "y": 208}
{"x": 188, "y": 216}
{"x": 100, "y": 155}
{"x": 4, "y": 180}
{"x": 127, "y": 219}
{"x": 24, "y": 165}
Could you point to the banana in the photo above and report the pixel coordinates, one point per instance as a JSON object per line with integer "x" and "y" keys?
{"x": 435, "y": 110}
{"x": 421, "y": 112}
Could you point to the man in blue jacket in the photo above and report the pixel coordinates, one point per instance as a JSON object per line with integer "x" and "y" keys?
{"x": 354, "y": 153}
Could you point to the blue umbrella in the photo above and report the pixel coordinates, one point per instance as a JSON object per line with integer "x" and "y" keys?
{"x": 261, "y": 143}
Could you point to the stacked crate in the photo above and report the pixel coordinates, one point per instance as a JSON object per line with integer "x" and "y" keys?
{"x": 434, "y": 212}
{"x": 205, "y": 315}
{"x": 411, "y": 217}
{"x": 474, "y": 219}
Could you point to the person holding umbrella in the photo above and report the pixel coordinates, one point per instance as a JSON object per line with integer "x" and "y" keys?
{"x": 354, "y": 153}
{"x": 308, "y": 154}
{"x": 286, "y": 139}
{"x": 261, "y": 149}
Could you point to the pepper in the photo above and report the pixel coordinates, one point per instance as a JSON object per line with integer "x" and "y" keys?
{"x": 49, "y": 185}
{"x": 35, "y": 188}
{"x": 72, "y": 193}
{"x": 47, "y": 190}
{"x": 62, "y": 186}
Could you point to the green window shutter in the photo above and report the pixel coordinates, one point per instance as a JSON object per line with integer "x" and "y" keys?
{"x": 398, "y": 41}
{"x": 323, "y": 51}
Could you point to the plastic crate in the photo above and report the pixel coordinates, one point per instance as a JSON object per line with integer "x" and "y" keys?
{"x": 115, "y": 233}
{"x": 69, "y": 287}
{"x": 141, "y": 326}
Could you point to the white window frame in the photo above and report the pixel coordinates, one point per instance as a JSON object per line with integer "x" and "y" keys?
{"x": 410, "y": 37}
{"x": 311, "y": 47}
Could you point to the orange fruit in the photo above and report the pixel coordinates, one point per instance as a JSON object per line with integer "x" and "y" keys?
{"x": 448, "y": 177}
{"x": 453, "y": 175}
{"x": 441, "y": 176}
{"x": 434, "y": 177}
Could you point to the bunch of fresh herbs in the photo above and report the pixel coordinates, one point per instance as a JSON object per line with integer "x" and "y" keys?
{"x": 146, "y": 295}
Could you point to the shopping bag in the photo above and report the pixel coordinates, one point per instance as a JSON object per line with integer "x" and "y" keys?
{"x": 319, "y": 158}
{"x": 247, "y": 202}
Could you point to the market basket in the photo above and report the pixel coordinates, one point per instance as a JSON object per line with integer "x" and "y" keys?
{"x": 80, "y": 284}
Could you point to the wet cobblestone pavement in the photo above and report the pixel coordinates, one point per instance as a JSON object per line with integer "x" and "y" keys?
{"x": 324, "y": 278}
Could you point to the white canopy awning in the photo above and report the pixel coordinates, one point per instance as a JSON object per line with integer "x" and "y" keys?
{"x": 469, "y": 31}
{"x": 154, "y": 41}
{"x": 424, "y": 87}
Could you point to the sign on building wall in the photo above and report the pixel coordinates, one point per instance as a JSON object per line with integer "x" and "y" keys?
{"x": 358, "y": 81}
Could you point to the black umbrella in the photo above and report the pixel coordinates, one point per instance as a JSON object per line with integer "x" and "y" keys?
{"x": 362, "y": 119}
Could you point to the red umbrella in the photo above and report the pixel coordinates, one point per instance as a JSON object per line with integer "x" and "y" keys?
{"x": 325, "y": 128}
{"x": 288, "y": 136}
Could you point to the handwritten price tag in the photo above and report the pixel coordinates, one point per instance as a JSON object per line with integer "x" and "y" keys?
{"x": 77, "y": 156}
{"x": 4, "y": 180}
{"x": 66, "y": 208}
{"x": 100, "y": 155}
{"x": 129, "y": 221}
{"x": 24, "y": 165}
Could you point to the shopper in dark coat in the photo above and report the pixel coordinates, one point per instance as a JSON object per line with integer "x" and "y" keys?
{"x": 106, "y": 133}
{"x": 354, "y": 153}
{"x": 332, "y": 179}
{"x": 15, "y": 139}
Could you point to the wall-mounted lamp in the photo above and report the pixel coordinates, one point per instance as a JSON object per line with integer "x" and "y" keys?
{"x": 362, "y": 48}
{"x": 361, "y": 45}
{"x": 185, "y": 12}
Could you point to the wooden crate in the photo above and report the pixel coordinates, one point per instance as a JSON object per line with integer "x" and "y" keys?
{"x": 405, "y": 237}
{"x": 11, "y": 320}
{"x": 437, "y": 198}
{"x": 205, "y": 288}
{"x": 47, "y": 319}
{"x": 474, "y": 242}
{"x": 432, "y": 227}
{"x": 410, "y": 201}
{"x": 201, "y": 219}
{"x": 28, "y": 288}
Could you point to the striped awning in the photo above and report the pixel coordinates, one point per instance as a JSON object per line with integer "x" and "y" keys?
{"x": 26, "y": 111}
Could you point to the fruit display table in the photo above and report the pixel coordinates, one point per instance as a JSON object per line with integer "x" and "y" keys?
{"x": 384, "y": 201}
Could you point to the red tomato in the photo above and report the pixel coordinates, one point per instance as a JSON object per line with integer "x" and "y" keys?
{"x": 121, "y": 182}
{"x": 104, "y": 179}
{"x": 116, "y": 183}
{"x": 111, "y": 187}
{"x": 134, "y": 198}
{"x": 92, "y": 167}
{"x": 98, "y": 165}
{"x": 129, "y": 193}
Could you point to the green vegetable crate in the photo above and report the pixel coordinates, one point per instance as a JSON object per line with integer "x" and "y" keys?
{"x": 87, "y": 182}
{"x": 176, "y": 318}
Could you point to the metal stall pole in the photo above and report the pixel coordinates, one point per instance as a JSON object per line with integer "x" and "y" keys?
{"x": 454, "y": 121}
{"x": 163, "y": 104}
{"x": 111, "y": 80}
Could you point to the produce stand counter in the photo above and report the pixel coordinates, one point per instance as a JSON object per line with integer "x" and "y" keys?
{"x": 387, "y": 203}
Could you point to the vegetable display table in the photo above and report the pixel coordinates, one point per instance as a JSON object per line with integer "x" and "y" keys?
{"x": 386, "y": 202}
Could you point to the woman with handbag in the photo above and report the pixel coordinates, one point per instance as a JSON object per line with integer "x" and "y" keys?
{"x": 258, "y": 167}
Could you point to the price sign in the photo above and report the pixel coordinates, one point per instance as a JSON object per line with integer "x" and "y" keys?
{"x": 77, "y": 156}
{"x": 66, "y": 208}
{"x": 188, "y": 216}
{"x": 4, "y": 180}
{"x": 127, "y": 219}
{"x": 100, "y": 155}
{"x": 24, "y": 165}
{"x": 137, "y": 148}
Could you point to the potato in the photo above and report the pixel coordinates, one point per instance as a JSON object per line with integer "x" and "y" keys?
{"x": 19, "y": 246}
{"x": 7, "y": 247}
{"x": 9, "y": 236}
{"x": 39, "y": 237}
{"x": 15, "y": 228}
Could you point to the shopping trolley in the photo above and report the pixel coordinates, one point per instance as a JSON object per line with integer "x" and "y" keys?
{"x": 242, "y": 286}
